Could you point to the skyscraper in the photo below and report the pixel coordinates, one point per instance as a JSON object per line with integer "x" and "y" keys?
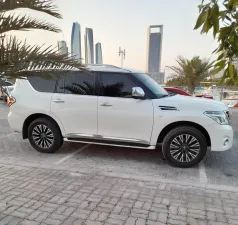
{"x": 62, "y": 48}
{"x": 76, "y": 41}
{"x": 89, "y": 46}
{"x": 98, "y": 48}
{"x": 154, "y": 49}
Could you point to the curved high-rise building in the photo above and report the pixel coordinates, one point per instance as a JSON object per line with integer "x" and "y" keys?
{"x": 76, "y": 41}
{"x": 89, "y": 46}
{"x": 98, "y": 48}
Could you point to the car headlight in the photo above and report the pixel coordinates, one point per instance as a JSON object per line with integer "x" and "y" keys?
{"x": 218, "y": 116}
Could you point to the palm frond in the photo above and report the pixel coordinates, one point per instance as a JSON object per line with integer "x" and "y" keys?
{"x": 19, "y": 59}
{"x": 11, "y": 22}
{"x": 177, "y": 70}
{"x": 45, "y": 6}
{"x": 193, "y": 71}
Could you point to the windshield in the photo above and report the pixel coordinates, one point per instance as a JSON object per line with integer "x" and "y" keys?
{"x": 152, "y": 85}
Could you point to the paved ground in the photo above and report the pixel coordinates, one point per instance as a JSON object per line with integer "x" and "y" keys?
{"x": 86, "y": 184}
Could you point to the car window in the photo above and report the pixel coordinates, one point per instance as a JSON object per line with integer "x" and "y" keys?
{"x": 43, "y": 84}
{"x": 171, "y": 92}
{"x": 77, "y": 82}
{"x": 7, "y": 83}
{"x": 116, "y": 85}
{"x": 151, "y": 84}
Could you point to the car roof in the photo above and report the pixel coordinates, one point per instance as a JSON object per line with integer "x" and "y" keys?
{"x": 101, "y": 68}
{"x": 110, "y": 68}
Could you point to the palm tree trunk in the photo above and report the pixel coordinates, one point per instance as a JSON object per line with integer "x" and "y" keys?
{"x": 1, "y": 86}
{"x": 191, "y": 89}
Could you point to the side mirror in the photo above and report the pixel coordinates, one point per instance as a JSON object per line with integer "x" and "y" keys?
{"x": 138, "y": 92}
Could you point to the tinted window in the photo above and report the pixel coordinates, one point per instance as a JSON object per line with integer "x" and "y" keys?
{"x": 78, "y": 83}
{"x": 151, "y": 84}
{"x": 8, "y": 83}
{"x": 172, "y": 92}
{"x": 43, "y": 85}
{"x": 116, "y": 85}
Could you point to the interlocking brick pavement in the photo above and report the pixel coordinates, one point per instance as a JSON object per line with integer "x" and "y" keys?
{"x": 35, "y": 196}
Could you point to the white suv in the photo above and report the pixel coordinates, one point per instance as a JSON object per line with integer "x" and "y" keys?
{"x": 113, "y": 106}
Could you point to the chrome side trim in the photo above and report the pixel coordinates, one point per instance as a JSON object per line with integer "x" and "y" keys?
{"x": 80, "y": 135}
{"x": 107, "y": 138}
{"x": 152, "y": 147}
{"x": 125, "y": 139}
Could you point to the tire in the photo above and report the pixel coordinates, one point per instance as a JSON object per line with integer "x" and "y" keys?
{"x": 184, "y": 147}
{"x": 44, "y": 135}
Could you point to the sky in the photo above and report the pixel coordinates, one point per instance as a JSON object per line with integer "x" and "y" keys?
{"x": 124, "y": 23}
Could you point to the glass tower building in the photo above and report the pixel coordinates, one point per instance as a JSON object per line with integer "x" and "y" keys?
{"x": 154, "y": 49}
{"x": 62, "y": 48}
{"x": 98, "y": 48}
{"x": 89, "y": 46}
{"x": 76, "y": 41}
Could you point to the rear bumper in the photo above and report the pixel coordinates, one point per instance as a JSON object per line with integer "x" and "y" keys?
{"x": 15, "y": 121}
{"x": 221, "y": 137}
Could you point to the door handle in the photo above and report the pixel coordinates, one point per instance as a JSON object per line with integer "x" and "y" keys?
{"x": 58, "y": 101}
{"x": 106, "y": 104}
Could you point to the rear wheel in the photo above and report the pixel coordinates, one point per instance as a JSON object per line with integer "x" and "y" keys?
{"x": 184, "y": 146}
{"x": 44, "y": 135}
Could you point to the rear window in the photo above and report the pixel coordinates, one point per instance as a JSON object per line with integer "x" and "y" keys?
{"x": 43, "y": 84}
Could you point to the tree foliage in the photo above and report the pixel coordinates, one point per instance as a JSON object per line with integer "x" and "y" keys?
{"x": 176, "y": 82}
{"x": 19, "y": 59}
{"x": 221, "y": 16}
{"x": 192, "y": 72}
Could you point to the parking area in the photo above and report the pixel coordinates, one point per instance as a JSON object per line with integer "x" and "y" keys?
{"x": 218, "y": 170}
{"x": 102, "y": 185}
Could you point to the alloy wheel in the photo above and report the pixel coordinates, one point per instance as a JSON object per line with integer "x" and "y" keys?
{"x": 184, "y": 148}
{"x": 43, "y": 136}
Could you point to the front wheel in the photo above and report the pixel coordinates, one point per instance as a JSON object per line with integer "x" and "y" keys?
{"x": 44, "y": 135}
{"x": 184, "y": 146}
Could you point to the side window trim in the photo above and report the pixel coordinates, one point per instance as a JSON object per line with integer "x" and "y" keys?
{"x": 97, "y": 83}
{"x": 56, "y": 86}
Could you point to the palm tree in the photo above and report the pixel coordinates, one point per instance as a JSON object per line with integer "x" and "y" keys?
{"x": 193, "y": 71}
{"x": 19, "y": 59}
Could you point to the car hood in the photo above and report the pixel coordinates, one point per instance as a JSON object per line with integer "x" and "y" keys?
{"x": 181, "y": 102}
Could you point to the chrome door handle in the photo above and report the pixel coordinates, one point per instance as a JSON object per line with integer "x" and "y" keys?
{"x": 106, "y": 104}
{"x": 58, "y": 101}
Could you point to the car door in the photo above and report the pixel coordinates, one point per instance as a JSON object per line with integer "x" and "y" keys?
{"x": 120, "y": 117}
{"x": 75, "y": 104}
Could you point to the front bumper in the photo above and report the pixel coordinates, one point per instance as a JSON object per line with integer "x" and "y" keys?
{"x": 221, "y": 137}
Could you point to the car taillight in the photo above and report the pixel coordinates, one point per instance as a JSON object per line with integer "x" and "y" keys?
{"x": 10, "y": 100}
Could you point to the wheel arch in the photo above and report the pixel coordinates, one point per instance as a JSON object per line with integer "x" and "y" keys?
{"x": 184, "y": 123}
{"x": 35, "y": 116}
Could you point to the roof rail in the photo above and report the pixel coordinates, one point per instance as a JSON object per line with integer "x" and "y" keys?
{"x": 108, "y": 65}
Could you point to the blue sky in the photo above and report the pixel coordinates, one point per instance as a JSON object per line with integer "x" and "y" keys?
{"x": 124, "y": 23}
